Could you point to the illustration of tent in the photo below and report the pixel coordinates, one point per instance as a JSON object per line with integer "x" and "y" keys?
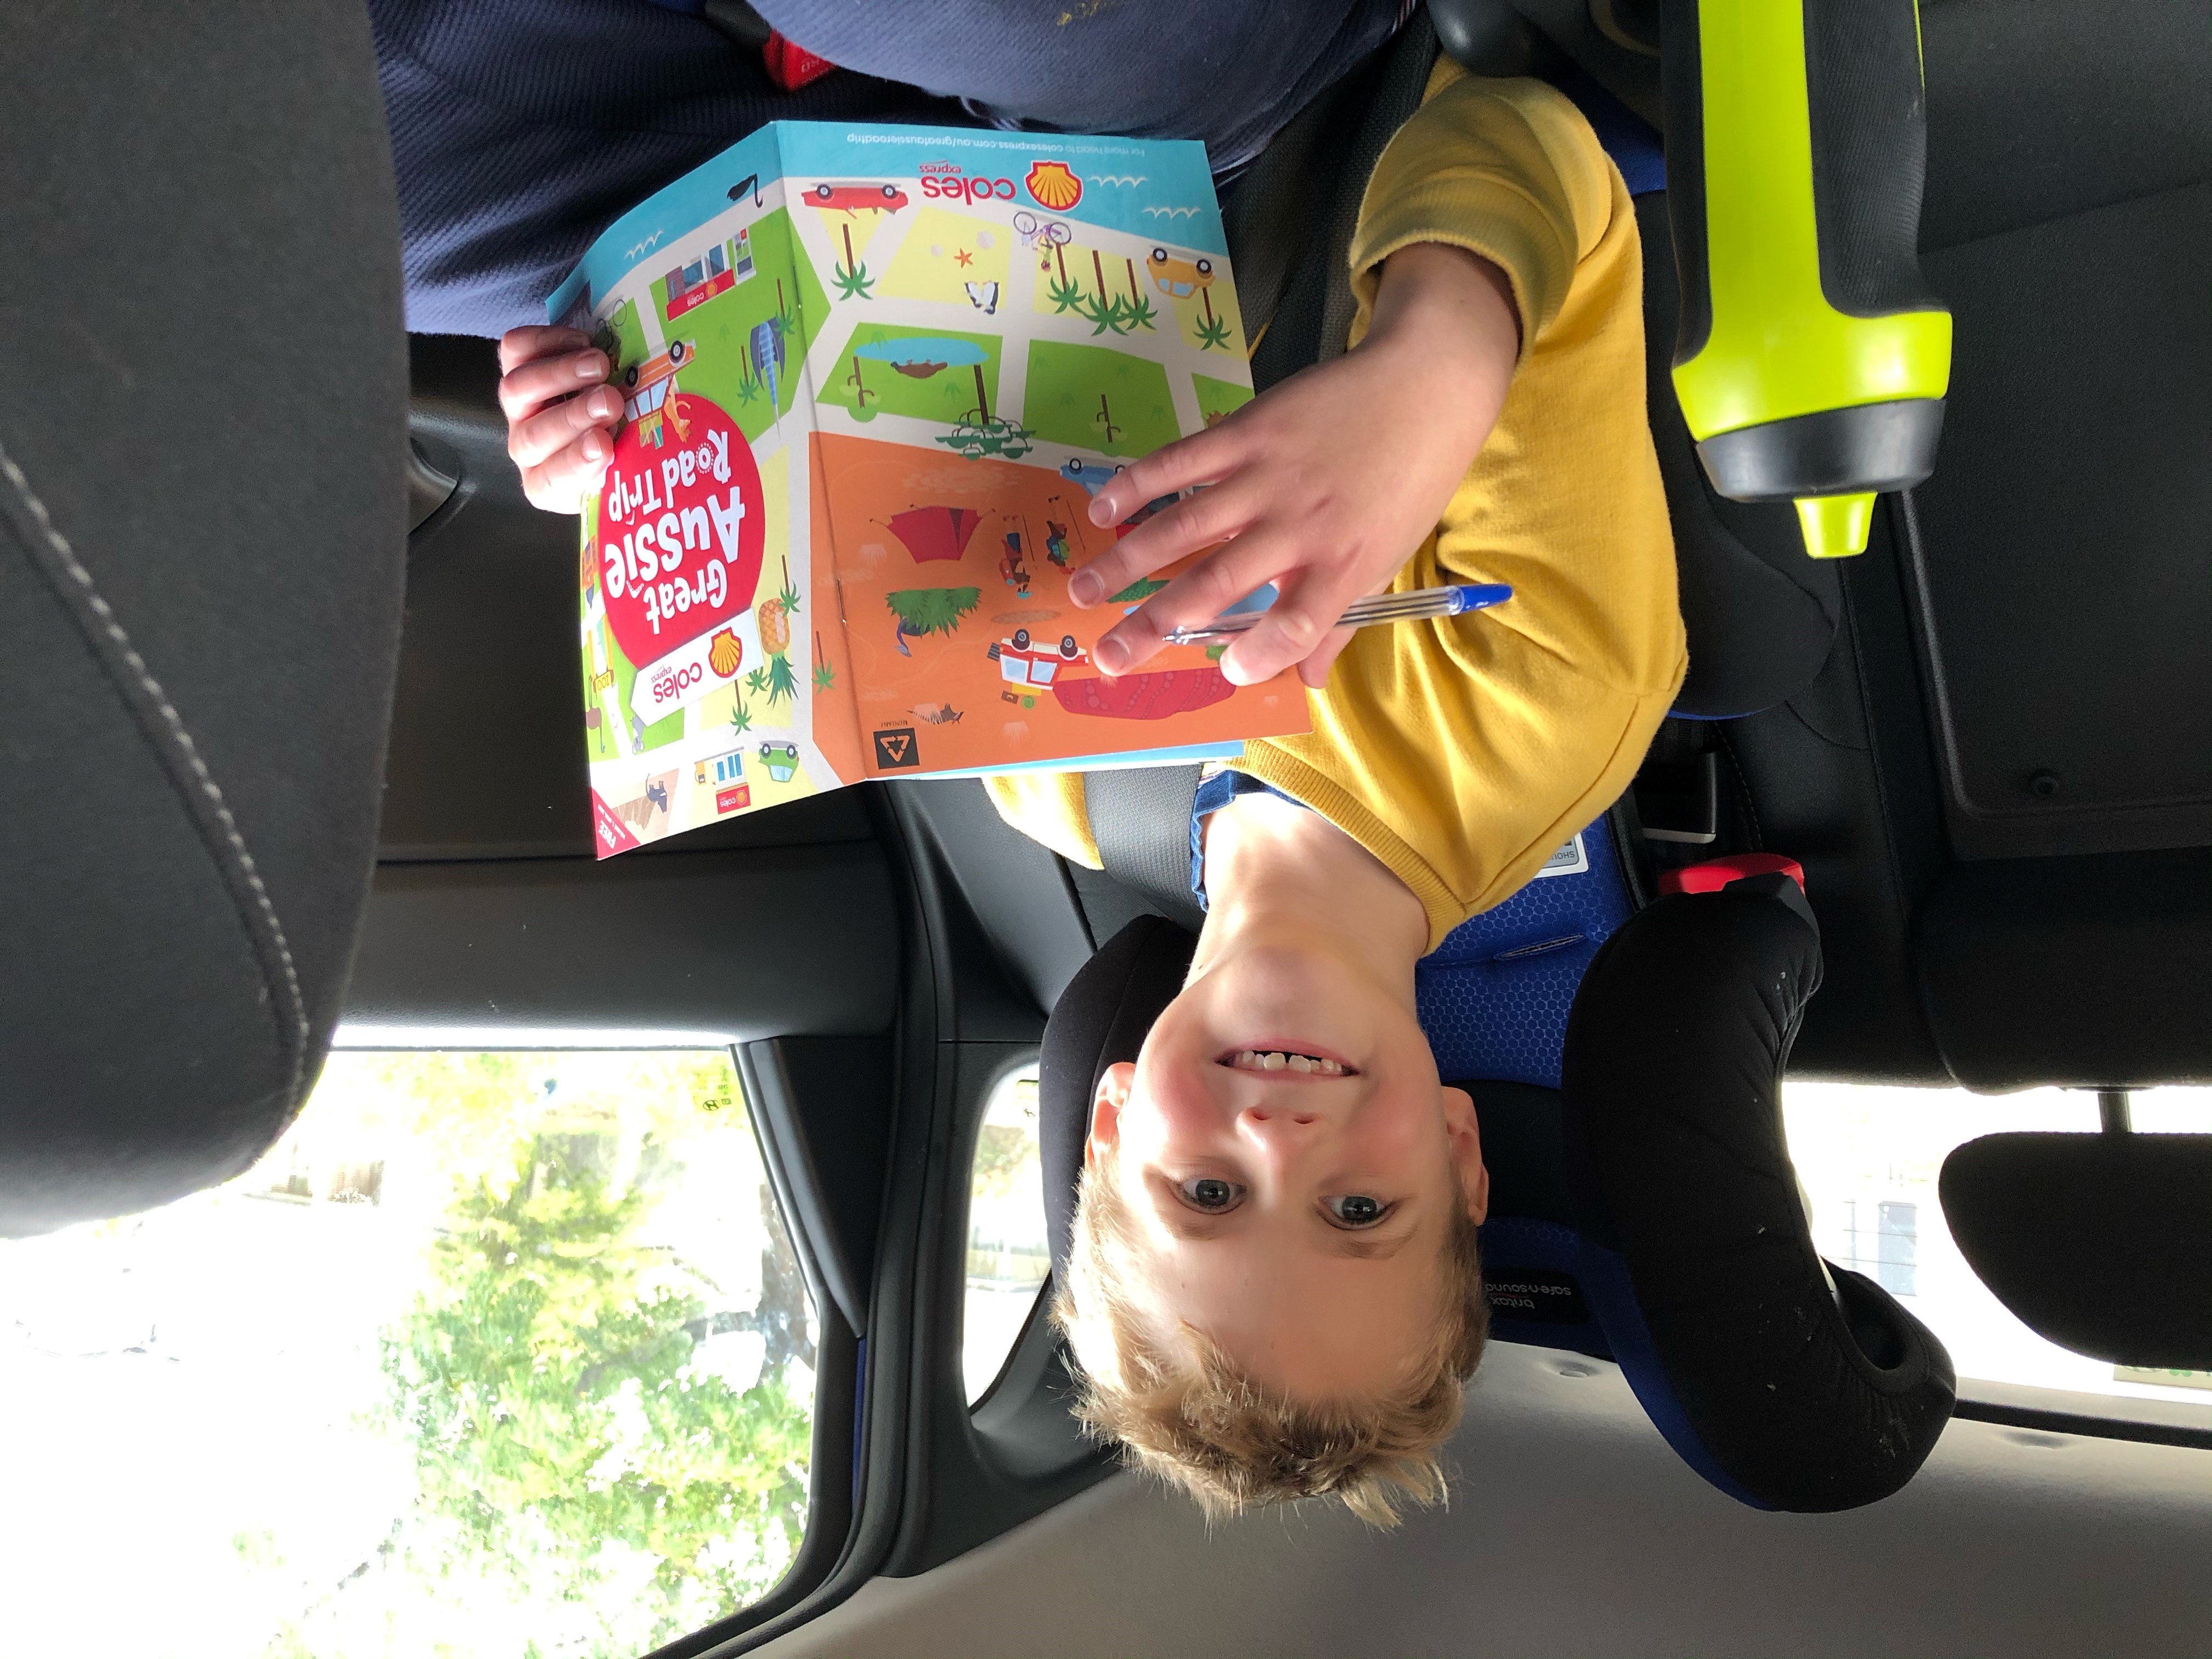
{"x": 935, "y": 532}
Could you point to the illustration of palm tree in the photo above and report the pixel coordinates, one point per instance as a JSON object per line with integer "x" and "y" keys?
{"x": 757, "y": 681}
{"x": 1213, "y": 332}
{"x": 1063, "y": 294}
{"x": 1105, "y": 418}
{"x": 852, "y": 277}
{"x": 825, "y": 676}
{"x": 860, "y": 394}
{"x": 1103, "y": 310}
{"x": 1141, "y": 313}
{"x": 741, "y": 718}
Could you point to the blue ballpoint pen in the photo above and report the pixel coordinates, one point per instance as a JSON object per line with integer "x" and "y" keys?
{"x": 1416, "y": 604}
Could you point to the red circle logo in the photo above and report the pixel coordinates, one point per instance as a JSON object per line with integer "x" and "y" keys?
{"x": 681, "y": 526}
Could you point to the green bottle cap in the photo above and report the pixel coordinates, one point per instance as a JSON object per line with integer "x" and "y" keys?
{"x": 1835, "y": 526}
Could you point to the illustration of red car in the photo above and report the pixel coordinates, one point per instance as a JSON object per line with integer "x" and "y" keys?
{"x": 855, "y": 198}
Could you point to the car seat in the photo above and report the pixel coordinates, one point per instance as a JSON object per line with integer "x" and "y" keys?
{"x": 1643, "y": 1205}
{"x": 202, "y": 485}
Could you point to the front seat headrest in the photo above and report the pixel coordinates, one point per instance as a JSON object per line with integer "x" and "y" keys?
{"x": 202, "y": 563}
{"x": 1695, "y": 1246}
{"x": 2102, "y": 1243}
{"x": 1100, "y": 1018}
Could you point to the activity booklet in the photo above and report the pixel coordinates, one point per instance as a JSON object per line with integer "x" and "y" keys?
{"x": 871, "y": 377}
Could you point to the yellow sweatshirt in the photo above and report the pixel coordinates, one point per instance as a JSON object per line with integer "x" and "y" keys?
{"x": 1462, "y": 752}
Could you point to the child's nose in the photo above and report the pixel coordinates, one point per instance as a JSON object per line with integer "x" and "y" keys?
{"x": 1270, "y": 1119}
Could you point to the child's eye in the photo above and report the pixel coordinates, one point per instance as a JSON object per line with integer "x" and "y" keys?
{"x": 1355, "y": 1210}
{"x": 1210, "y": 1194}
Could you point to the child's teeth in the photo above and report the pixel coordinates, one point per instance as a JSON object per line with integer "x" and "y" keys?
{"x": 1273, "y": 1061}
{"x": 1300, "y": 1063}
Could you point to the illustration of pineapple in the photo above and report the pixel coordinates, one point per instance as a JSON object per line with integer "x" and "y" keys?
{"x": 776, "y": 639}
{"x": 774, "y": 616}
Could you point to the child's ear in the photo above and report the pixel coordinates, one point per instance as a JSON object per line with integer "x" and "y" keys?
{"x": 1106, "y": 1105}
{"x": 1466, "y": 1137}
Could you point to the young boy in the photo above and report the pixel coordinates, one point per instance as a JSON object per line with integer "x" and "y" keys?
{"x": 1274, "y": 1292}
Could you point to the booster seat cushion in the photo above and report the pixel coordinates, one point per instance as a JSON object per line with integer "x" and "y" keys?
{"x": 1695, "y": 1246}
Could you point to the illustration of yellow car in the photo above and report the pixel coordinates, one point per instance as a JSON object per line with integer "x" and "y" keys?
{"x": 648, "y": 387}
{"x": 1178, "y": 279}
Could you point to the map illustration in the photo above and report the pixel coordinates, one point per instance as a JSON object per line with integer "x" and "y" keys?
{"x": 871, "y": 378}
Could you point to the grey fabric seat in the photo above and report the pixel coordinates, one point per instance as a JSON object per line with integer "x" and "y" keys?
{"x": 201, "y": 494}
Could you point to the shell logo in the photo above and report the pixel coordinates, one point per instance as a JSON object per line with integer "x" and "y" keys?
{"x": 1054, "y": 185}
{"x": 725, "y": 652}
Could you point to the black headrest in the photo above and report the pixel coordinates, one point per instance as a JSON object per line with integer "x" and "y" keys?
{"x": 1100, "y": 1018}
{"x": 2094, "y": 970}
{"x": 2102, "y": 1243}
{"x": 1696, "y": 1249}
{"x": 202, "y": 558}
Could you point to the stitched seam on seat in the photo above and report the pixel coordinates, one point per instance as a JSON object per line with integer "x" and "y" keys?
{"x": 170, "y": 738}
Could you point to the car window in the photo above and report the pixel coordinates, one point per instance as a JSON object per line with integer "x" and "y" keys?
{"x": 1008, "y": 1259}
{"x": 498, "y": 1353}
{"x": 1869, "y": 1157}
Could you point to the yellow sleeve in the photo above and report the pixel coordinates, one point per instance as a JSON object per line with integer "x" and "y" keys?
{"x": 1048, "y": 807}
{"x": 1462, "y": 752}
{"x": 1506, "y": 169}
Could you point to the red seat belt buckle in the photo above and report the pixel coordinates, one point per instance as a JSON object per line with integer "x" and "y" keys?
{"x": 1717, "y": 873}
{"x": 792, "y": 67}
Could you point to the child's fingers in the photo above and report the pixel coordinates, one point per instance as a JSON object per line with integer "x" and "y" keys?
{"x": 1197, "y": 596}
{"x": 560, "y": 483}
{"x": 1191, "y": 525}
{"x": 526, "y": 389}
{"x": 519, "y": 345}
{"x": 533, "y": 441}
{"x": 1314, "y": 671}
{"x": 1296, "y": 626}
{"x": 1202, "y": 458}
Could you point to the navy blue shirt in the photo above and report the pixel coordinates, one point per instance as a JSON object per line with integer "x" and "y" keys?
{"x": 522, "y": 128}
{"x": 1230, "y": 72}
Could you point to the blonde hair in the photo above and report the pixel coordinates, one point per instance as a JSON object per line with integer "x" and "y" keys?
{"x": 1194, "y": 1421}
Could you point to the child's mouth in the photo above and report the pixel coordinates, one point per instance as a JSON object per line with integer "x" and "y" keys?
{"x": 1271, "y": 1062}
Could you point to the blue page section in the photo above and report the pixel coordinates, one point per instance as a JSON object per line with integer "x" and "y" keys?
{"x": 1143, "y": 187}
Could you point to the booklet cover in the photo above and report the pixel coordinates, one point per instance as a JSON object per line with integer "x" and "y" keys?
{"x": 873, "y": 376}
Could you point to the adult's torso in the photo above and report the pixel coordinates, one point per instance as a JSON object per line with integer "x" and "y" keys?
{"x": 1230, "y": 72}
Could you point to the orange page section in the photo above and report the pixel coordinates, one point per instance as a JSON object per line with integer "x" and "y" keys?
{"x": 965, "y": 650}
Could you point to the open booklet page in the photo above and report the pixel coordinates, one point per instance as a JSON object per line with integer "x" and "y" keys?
{"x": 872, "y": 377}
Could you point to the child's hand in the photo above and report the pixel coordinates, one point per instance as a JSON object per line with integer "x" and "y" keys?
{"x": 1325, "y": 484}
{"x": 559, "y": 440}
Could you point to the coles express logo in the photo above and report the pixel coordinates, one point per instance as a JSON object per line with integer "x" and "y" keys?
{"x": 1050, "y": 185}
{"x": 680, "y": 534}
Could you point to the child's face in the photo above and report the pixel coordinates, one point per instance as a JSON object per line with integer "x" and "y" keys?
{"x": 1297, "y": 1217}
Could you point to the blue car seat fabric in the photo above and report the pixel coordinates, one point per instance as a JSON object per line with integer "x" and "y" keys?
{"x": 1493, "y": 997}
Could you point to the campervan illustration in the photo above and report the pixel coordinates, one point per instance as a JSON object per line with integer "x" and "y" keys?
{"x": 716, "y": 271}
{"x": 781, "y": 760}
{"x": 1024, "y": 666}
{"x": 1178, "y": 279}
{"x": 649, "y": 392}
